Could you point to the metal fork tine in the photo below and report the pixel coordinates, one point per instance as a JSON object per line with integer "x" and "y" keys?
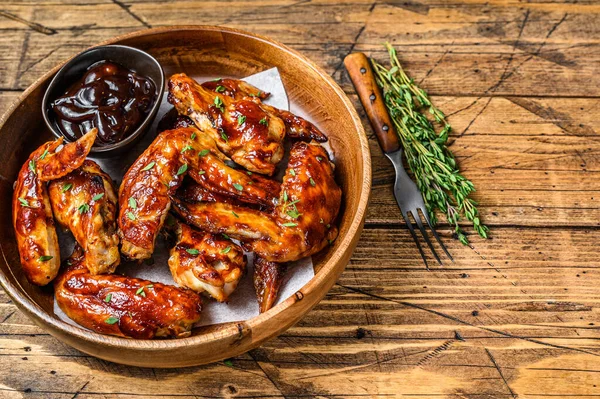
{"x": 417, "y": 218}
{"x": 435, "y": 234}
{"x": 414, "y": 236}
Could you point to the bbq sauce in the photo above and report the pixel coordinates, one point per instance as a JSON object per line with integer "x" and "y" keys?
{"x": 109, "y": 97}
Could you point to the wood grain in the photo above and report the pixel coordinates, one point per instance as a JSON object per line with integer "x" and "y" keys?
{"x": 514, "y": 316}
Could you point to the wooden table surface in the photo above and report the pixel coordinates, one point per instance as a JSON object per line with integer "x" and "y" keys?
{"x": 514, "y": 316}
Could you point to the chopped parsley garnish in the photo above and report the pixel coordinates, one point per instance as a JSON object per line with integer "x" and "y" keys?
{"x": 187, "y": 148}
{"x": 293, "y": 213}
{"x": 292, "y": 172}
{"x": 97, "y": 197}
{"x": 285, "y": 196}
{"x": 193, "y": 136}
{"x": 44, "y": 154}
{"x": 201, "y": 172}
{"x": 140, "y": 292}
{"x": 111, "y": 320}
{"x": 225, "y": 236}
{"x": 219, "y": 103}
{"x": 130, "y": 215}
{"x": 241, "y": 120}
{"x": 290, "y": 224}
{"x": 83, "y": 208}
{"x": 149, "y": 166}
{"x": 319, "y": 159}
{"x": 66, "y": 187}
{"x": 32, "y": 165}
{"x": 182, "y": 169}
{"x": 224, "y": 136}
{"x": 108, "y": 298}
{"x": 226, "y": 250}
{"x": 235, "y": 214}
{"x": 132, "y": 203}
{"x": 45, "y": 258}
{"x": 249, "y": 173}
{"x": 238, "y": 186}
{"x": 312, "y": 182}
{"x": 204, "y": 153}
{"x": 24, "y": 202}
{"x": 220, "y": 89}
{"x": 192, "y": 251}
{"x": 264, "y": 121}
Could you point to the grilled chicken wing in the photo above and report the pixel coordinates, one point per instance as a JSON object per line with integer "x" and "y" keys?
{"x": 244, "y": 128}
{"x": 144, "y": 195}
{"x": 124, "y": 306}
{"x": 32, "y": 213}
{"x": 267, "y": 281}
{"x": 299, "y": 226}
{"x": 85, "y": 202}
{"x": 206, "y": 263}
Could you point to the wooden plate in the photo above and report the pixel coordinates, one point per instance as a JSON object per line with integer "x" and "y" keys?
{"x": 200, "y": 51}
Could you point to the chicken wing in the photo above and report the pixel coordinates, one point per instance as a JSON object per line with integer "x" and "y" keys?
{"x": 267, "y": 281}
{"x": 85, "y": 202}
{"x": 144, "y": 194}
{"x": 301, "y": 223}
{"x": 32, "y": 213}
{"x": 206, "y": 263}
{"x": 124, "y": 306}
{"x": 242, "y": 129}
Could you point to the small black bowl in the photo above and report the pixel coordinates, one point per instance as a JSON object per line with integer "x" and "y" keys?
{"x": 129, "y": 57}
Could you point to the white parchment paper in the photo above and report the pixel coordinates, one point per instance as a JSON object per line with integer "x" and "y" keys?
{"x": 242, "y": 303}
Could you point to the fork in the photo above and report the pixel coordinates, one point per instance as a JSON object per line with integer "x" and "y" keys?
{"x": 407, "y": 194}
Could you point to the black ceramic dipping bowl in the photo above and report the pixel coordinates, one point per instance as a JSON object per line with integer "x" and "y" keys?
{"x": 131, "y": 58}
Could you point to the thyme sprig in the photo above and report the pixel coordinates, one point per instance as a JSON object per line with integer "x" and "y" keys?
{"x": 436, "y": 173}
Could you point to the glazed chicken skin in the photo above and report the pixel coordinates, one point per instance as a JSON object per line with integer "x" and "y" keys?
{"x": 248, "y": 131}
{"x": 85, "y": 203}
{"x": 206, "y": 263}
{"x": 301, "y": 223}
{"x": 32, "y": 214}
{"x": 144, "y": 194}
{"x": 267, "y": 280}
{"x": 124, "y": 306}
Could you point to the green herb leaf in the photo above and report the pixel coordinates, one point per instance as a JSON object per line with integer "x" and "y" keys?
{"x": 83, "y": 208}
{"x": 193, "y": 136}
{"x": 219, "y": 103}
{"x": 290, "y": 224}
{"x": 241, "y": 120}
{"x": 130, "y": 215}
{"x": 192, "y": 251}
{"x": 228, "y": 362}
{"x": 108, "y": 298}
{"x": 235, "y": 214}
{"x": 132, "y": 203}
{"x": 149, "y": 166}
{"x": 45, "y": 258}
{"x": 182, "y": 169}
{"x": 226, "y": 250}
{"x": 249, "y": 173}
{"x": 97, "y": 197}
{"x": 66, "y": 187}
{"x": 140, "y": 291}
{"x": 312, "y": 182}
{"x": 204, "y": 153}
{"x": 201, "y": 172}
{"x": 24, "y": 202}
{"x": 264, "y": 121}
{"x": 319, "y": 159}
{"x": 220, "y": 89}
{"x": 44, "y": 154}
{"x": 111, "y": 320}
{"x": 187, "y": 148}
{"x": 238, "y": 186}
{"x": 293, "y": 213}
{"x": 292, "y": 172}
{"x": 32, "y": 165}
{"x": 224, "y": 136}
{"x": 225, "y": 236}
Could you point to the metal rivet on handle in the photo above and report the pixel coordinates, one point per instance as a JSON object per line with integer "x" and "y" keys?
{"x": 363, "y": 70}
{"x": 385, "y": 128}
{"x": 372, "y": 97}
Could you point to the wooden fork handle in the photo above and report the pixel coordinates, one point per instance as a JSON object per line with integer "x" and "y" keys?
{"x": 363, "y": 78}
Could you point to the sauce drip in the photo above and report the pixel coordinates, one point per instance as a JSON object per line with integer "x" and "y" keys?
{"x": 109, "y": 97}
